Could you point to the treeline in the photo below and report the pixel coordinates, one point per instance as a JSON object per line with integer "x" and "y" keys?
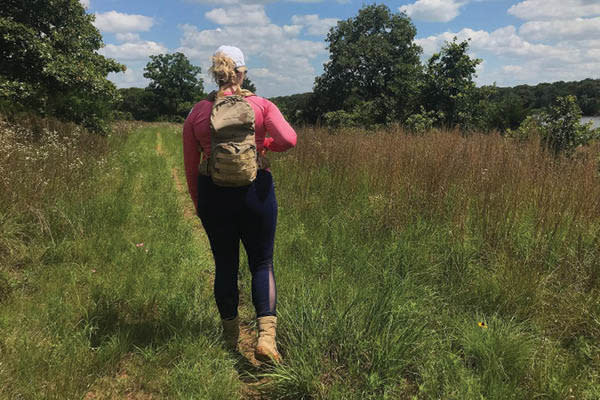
{"x": 543, "y": 95}
{"x": 515, "y": 103}
{"x": 50, "y": 66}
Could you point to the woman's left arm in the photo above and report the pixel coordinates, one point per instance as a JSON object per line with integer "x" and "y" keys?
{"x": 282, "y": 134}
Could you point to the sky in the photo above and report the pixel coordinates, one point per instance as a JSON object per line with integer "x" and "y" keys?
{"x": 519, "y": 41}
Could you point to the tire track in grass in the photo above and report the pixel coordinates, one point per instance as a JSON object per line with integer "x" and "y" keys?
{"x": 248, "y": 367}
{"x": 120, "y": 384}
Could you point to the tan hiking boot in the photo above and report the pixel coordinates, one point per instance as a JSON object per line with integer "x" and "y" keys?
{"x": 266, "y": 348}
{"x": 231, "y": 332}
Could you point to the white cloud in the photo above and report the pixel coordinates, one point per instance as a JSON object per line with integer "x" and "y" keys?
{"x": 113, "y": 21}
{"x": 279, "y": 62}
{"x": 85, "y": 3}
{"x": 516, "y": 60}
{"x": 133, "y": 51}
{"x": 433, "y": 10}
{"x": 240, "y": 2}
{"x": 573, "y": 29}
{"x": 128, "y": 37}
{"x": 513, "y": 69}
{"x": 252, "y": 14}
{"x": 555, "y": 9}
{"x": 231, "y": 2}
{"x": 292, "y": 30}
{"x": 539, "y": 71}
{"x": 502, "y": 42}
{"x": 314, "y": 25}
{"x": 132, "y": 77}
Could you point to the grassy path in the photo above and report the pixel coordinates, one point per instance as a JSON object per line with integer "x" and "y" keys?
{"x": 120, "y": 304}
{"x": 248, "y": 366}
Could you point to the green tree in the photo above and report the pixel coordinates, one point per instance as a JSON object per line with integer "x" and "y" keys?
{"x": 174, "y": 83}
{"x": 248, "y": 85}
{"x": 536, "y": 98}
{"x": 294, "y": 107}
{"x": 507, "y": 110}
{"x": 373, "y": 59}
{"x": 136, "y": 103}
{"x": 448, "y": 86}
{"x": 49, "y": 61}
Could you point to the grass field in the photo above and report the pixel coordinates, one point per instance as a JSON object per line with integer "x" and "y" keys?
{"x": 408, "y": 267}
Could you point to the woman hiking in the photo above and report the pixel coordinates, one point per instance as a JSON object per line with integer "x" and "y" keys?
{"x": 233, "y": 191}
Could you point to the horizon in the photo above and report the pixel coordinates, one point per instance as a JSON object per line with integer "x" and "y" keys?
{"x": 521, "y": 42}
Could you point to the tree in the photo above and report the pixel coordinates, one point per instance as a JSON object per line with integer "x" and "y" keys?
{"x": 49, "y": 62}
{"x": 507, "y": 110}
{"x": 294, "y": 107}
{"x": 374, "y": 62}
{"x": 248, "y": 85}
{"x": 448, "y": 86}
{"x": 136, "y": 103}
{"x": 174, "y": 83}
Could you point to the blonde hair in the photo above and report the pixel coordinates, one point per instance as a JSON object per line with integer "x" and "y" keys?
{"x": 225, "y": 74}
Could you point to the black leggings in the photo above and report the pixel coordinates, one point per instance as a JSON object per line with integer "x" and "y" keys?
{"x": 248, "y": 213}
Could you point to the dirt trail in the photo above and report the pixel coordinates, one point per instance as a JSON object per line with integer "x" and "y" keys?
{"x": 248, "y": 367}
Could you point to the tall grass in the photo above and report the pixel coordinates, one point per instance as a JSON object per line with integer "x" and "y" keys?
{"x": 393, "y": 248}
{"x": 104, "y": 291}
{"x": 408, "y": 267}
{"x": 43, "y": 163}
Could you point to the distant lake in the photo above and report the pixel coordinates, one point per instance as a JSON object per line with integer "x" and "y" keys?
{"x": 595, "y": 120}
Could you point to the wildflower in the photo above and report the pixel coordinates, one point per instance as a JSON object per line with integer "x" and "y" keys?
{"x": 482, "y": 325}
{"x": 139, "y": 245}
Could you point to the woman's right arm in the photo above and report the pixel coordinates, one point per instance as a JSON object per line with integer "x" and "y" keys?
{"x": 191, "y": 157}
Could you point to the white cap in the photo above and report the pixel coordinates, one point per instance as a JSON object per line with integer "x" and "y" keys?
{"x": 234, "y": 53}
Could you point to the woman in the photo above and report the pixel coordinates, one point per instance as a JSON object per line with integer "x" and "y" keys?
{"x": 231, "y": 214}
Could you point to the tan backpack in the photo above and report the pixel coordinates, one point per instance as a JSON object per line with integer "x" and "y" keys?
{"x": 233, "y": 156}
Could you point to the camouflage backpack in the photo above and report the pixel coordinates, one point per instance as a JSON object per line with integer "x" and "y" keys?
{"x": 233, "y": 155}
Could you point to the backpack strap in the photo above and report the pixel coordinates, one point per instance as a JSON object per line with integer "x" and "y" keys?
{"x": 212, "y": 96}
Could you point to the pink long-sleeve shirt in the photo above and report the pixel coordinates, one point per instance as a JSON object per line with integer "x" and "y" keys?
{"x": 196, "y": 135}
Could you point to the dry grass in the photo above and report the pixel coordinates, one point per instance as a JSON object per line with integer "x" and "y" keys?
{"x": 519, "y": 201}
{"x": 501, "y": 178}
{"x": 494, "y": 228}
{"x": 44, "y": 163}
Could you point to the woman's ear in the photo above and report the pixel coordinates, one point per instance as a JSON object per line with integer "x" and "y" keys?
{"x": 241, "y": 76}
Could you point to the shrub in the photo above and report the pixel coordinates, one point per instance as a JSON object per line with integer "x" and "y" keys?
{"x": 364, "y": 114}
{"x": 559, "y": 127}
{"x": 531, "y": 126}
{"x": 423, "y": 121}
{"x": 339, "y": 118}
{"x": 563, "y": 130}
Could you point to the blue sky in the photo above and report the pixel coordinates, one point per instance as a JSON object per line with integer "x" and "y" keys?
{"x": 520, "y": 41}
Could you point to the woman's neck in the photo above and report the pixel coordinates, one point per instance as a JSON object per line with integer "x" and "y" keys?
{"x": 230, "y": 88}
